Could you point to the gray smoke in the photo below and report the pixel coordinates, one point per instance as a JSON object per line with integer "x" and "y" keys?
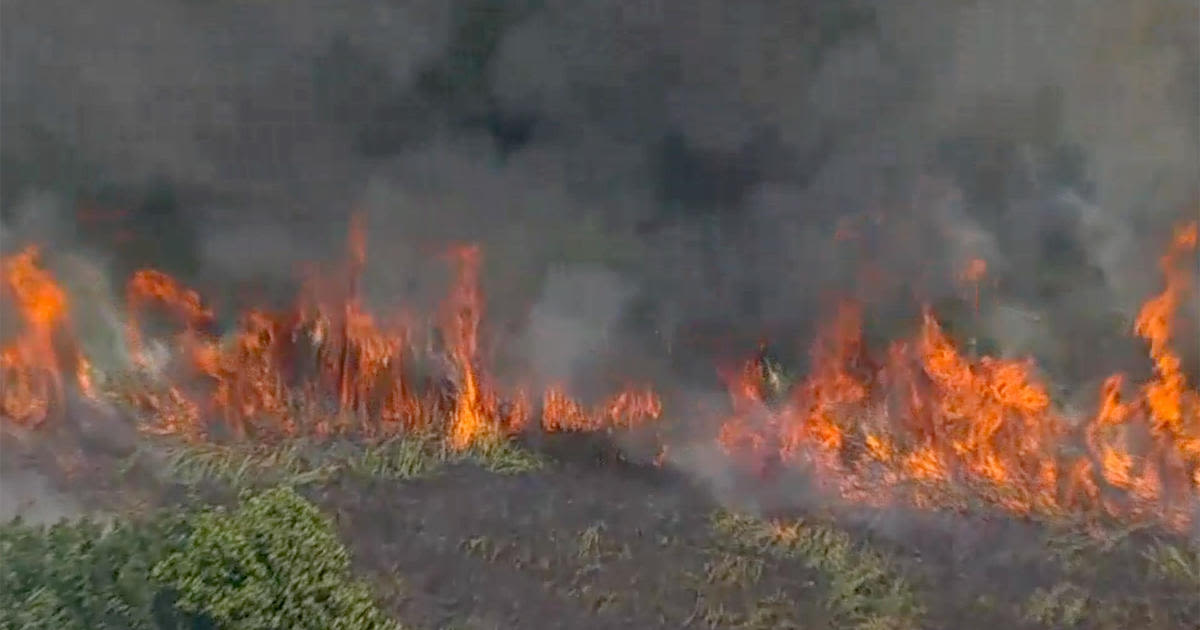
{"x": 705, "y": 153}
{"x": 31, "y": 496}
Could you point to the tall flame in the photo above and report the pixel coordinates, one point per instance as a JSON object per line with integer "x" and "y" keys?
{"x": 924, "y": 422}
{"x": 30, "y": 365}
{"x": 1172, "y": 406}
{"x": 930, "y": 415}
{"x": 460, "y": 328}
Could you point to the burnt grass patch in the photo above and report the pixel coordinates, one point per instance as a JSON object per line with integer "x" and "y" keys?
{"x": 591, "y": 537}
{"x": 596, "y": 540}
{"x": 570, "y": 546}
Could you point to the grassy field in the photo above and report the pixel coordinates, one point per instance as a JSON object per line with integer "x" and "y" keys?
{"x": 505, "y": 537}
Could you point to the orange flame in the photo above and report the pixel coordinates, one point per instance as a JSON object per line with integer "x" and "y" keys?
{"x": 921, "y": 423}
{"x": 972, "y": 275}
{"x": 460, "y": 326}
{"x": 930, "y": 415}
{"x": 625, "y": 410}
{"x": 149, "y": 286}
{"x": 30, "y": 365}
{"x": 1173, "y": 408}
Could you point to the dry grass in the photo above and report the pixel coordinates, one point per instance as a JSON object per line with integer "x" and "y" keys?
{"x": 1177, "y": 563}
{"x": 863, "y": 588}
{"x": 1166, "y": 572}
{"x": 302, "y": 462}
{"x": 1063, "y": 606}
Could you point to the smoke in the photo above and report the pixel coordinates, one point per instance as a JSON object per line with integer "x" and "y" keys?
{"x": 32, "y": 497}
{"x": 575, "y": 319}
{"x": 705, "y": 153}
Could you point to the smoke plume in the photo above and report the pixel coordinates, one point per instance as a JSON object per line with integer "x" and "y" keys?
{"x": 728, "y": 164}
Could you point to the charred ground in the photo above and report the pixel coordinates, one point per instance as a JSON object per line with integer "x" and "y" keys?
{"x": 575, "y": 534}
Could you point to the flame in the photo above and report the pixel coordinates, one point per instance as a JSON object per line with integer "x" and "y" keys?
{"x": 972, "y": 276}
{"x": 278, "y": 370}
{"x": 744, "y": 433}
{"x": 628, "y": 409}
{"x": 83, "y": 376}
{"x": 974, "y": 271}
{"x": 1174, "y": 409}
{"x": 923, "y": 423}
{"x": 927, "y": 414}
{"x": 148, "y": 287}
{"x": 30, "y": 364}
{"x": 461, "y": 317}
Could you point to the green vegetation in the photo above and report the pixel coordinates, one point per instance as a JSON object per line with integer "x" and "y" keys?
{"x": 272, "y": 562}
{"x": 863, "y": 587}
{"x": 89, "y": 575}
{"x": 502, "y": 456}
{"x": 304, "y": 462}
{"x": 1087, "y": 595}
{"x": 1173, "y": 563}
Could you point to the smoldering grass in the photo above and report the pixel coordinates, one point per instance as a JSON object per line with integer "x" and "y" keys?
{"x": 1064, "y": 605}
{"x": 595, "y": 544}
{"x": 589, "y": 542}
{"x": 484, "y": 547}
{"x": 1177, "y": 563}
{"x": 1171, "y": 562}
{"x": 1169, "y": 569}
{"x": 713, "y": 614}
{"x": 774, "y": 612}
{"x": 1177, "y": 567}
{"x": 731, "y": 569}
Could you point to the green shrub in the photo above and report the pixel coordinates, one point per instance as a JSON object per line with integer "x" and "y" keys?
{"x": 274, "y": 562}
{"x": 89, "y": 575}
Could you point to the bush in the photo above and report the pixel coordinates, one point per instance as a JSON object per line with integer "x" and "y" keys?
{"x": 274, "y": 562}
{"x": 88, "y": 575}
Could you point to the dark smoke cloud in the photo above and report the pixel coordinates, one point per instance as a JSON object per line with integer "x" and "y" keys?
{"x": 704, "y": 152}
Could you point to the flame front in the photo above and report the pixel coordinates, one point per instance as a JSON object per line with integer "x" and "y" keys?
{"x": 922, "y": 422}
{"x": 927, "y": 421}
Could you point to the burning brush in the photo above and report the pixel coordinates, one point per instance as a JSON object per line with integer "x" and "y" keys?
{"x": 322, "y": 368}
{"x": 921, "y": 422}
{"x": 925, "y": 421}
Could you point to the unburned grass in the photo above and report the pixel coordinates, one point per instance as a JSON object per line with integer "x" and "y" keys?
{"x": 302, "y": 462}
{"x": 863, "y": 588}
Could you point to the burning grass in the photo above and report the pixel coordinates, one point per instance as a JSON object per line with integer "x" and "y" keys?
{"x": 921, "y": 423}
{"x": 938, "y": 428}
